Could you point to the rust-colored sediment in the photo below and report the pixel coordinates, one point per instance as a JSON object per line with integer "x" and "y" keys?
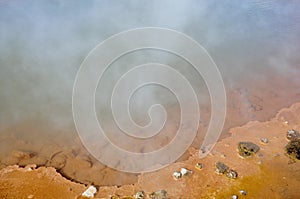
{"x": 42, "y": 182}
{"x": 268, "y": 174}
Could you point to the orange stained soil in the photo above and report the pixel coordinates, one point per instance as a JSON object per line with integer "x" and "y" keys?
{"x": 268, "y": 174}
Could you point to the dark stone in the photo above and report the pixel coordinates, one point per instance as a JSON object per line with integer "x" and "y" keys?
{"x": 247, "y": 149}
{"x": 221, "y": 168}
{"x": 293, "y": 149}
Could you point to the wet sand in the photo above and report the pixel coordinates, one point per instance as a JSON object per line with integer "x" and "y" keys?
{"x": 268, "y": 174}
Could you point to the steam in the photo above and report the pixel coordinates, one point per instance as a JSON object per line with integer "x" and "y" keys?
{"x": 42, "y": 45}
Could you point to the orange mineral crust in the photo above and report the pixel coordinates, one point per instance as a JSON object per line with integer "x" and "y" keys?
{"x": 268, "y": 173}
{"x": 28, "y": 182}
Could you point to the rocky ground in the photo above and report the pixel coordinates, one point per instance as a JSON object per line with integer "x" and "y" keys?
{"x": 267, "y": 173}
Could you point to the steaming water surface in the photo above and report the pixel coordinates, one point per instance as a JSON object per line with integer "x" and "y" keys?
{"x": 42, "y": 44}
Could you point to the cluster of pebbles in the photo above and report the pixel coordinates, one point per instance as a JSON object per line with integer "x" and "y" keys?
{"x": 221, "y": 168}
{"x": 183, "y": 172}
{"x": 241, "y": 192}
{"x": 245, "y": 150}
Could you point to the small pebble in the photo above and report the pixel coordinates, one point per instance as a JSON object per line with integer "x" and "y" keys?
{"x": 292, "y": 134}
{"x": 139, "y": 195}
{"x": 234, "y": 197}
{"x": 264, "y": 140}
{"x": 185, "y": 172}
{"x": 89, "y": 192}
{"x": 199, "y": 166}
{"x": 231, "y": 174}
{"x": 243, "y": 192}
{"x": 177, "y": 175}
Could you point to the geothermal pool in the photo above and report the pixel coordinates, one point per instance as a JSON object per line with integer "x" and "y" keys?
{"x": 255, "y": 45}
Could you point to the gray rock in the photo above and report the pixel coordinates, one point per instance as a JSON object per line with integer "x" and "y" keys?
{"x": 247, "y": 149}
{"x": 221, "y": 168}
{"x": 161, "y": 194}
